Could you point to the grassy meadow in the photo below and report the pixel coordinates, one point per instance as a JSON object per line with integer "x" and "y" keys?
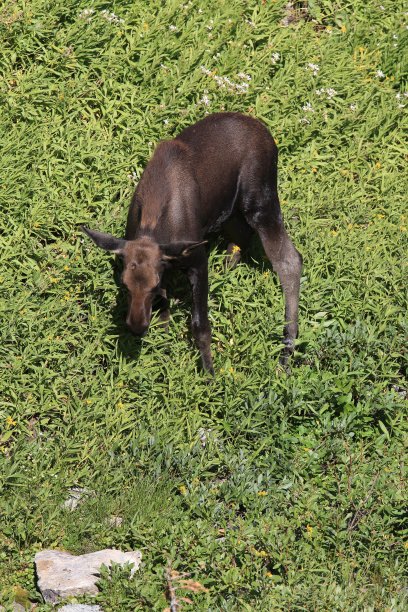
{"x": 266, "y": 491}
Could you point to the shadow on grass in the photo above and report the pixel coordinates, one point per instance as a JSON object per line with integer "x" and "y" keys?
{"x": 129, "y": 346}
{"x": 178, "y": 289}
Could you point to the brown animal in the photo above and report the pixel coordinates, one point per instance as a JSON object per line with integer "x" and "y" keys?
{"x": 219, "y": 175}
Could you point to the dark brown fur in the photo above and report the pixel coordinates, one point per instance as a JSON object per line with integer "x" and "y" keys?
{"x": 219, "y": 175}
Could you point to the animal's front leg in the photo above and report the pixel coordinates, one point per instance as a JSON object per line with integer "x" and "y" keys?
{"x": 161, "y": 304}
{"x": 198, "y": 277}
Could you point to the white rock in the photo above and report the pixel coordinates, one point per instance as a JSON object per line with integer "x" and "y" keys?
{"x": 115, "y": 521}
{"x": 76, "y": 496}
{"x": 62, "y": 575}
{"x": 79, "y": 608}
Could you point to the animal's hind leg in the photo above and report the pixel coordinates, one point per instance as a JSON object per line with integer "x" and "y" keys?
{"x": 287, "y": 263}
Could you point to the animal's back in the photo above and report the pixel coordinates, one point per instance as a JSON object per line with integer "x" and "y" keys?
{"x": 193, "y": 182}
{"x": 229, "y": 152}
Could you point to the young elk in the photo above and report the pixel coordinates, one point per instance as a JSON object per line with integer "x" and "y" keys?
{"x": 219, "y": 175}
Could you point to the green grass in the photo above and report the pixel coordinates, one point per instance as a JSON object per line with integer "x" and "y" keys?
{"x": 273, "y": 492}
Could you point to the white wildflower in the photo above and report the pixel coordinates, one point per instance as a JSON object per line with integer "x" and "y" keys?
{"x": 304, "y": 120}
{"x": 398, "y": 96}
{"x": 313, "y": 67}
{"x": 166, "y": 121}
{"x": 173, "y": 28}
{"x": 205, "y": 70}
{"x": 87, "y": 14}
{"x": 395, "y": 37}
{"x": 225, "y": 82}
{"x": 205, "y": 100}
{"x": 133, "y": 177}
{"x": 382, "y": 7}
{"x": 203, "y": 435}
{"x": 401, "y": 105}
{"x": 241, "y": 88}
{"x": 380, "y": 74}
{"x": 111, "y": 17}
{"x": 329, "y": 91}
{"x": 308, "y": 108}
{"x": 245, "y": 77}
{"x": 353, "y": 107}
{"x": 275, "y": 57}
{"x": 250, "y": 23}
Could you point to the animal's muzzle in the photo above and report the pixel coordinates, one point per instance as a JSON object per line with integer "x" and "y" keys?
{"x": 137, "y": 329}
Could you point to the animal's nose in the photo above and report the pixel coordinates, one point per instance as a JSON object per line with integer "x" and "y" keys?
{"x": 139, "y": 334}
{"x": 137, "y": 329}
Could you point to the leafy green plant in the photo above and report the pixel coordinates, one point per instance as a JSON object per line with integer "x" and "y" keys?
{"x": 269, "y": 491}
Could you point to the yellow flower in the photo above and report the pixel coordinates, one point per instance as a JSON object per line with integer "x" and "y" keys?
{"x": 334, "y": 232}
{"x": 350, "y": 226}
{"x": 262, "y": 493}
{"x": 54, "y": 279}
{"x": 145, "y": 26}
{"x": 183, "y": 490}
{"x": 235, "y": 249}
{"x": 10, "y": 421}
{"x": 329, "y": 29}
{"x": 231, "y": 370}
{"x": 378, "y": 164}
{"x": 88, "y": 401}
{"x": 343, "y": 29}
{"x": 119, "y": 405}
{"x": 66, "y": 268}
{"x": 314, "y": 170}
{"x": 403, "y": 228}
{"x": 309, "y": 530}
{"x": 379, "y": 216}
{"x": 406, "y": 544}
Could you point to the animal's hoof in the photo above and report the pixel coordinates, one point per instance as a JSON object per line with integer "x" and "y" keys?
{"x": 285, "y": 356}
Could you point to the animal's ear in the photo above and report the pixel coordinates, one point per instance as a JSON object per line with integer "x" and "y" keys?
{"x": 105, "y": 241}
{"x": 178, "y": 250}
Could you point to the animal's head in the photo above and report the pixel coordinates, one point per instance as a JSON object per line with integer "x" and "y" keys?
{"x": 144, "y": 261}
